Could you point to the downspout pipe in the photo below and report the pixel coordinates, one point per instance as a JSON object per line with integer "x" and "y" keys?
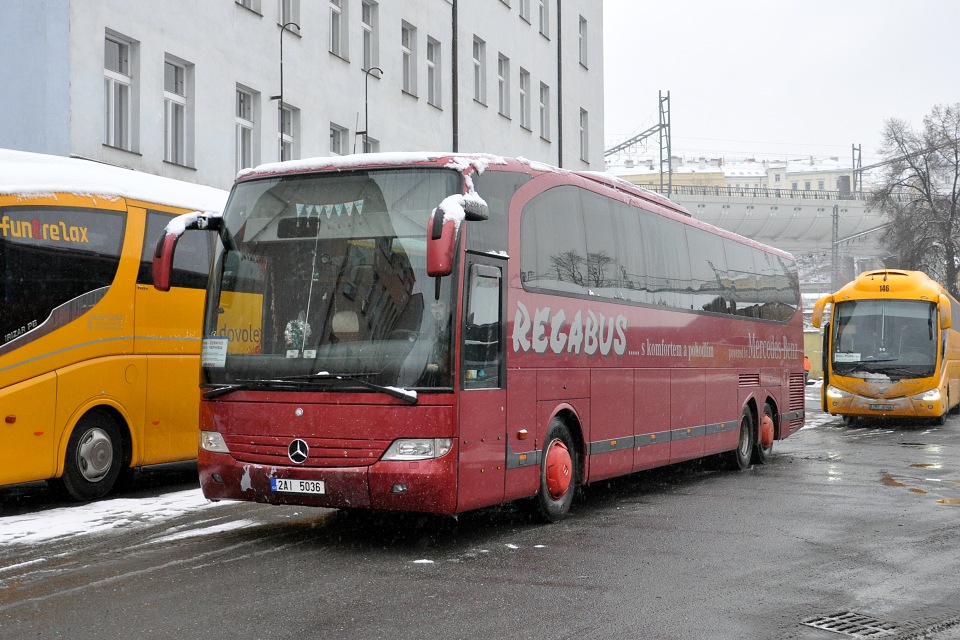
{"x": 455, "y": 79}
{"x": 560, "y": 83}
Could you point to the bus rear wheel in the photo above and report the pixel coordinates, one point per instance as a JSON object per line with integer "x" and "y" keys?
{"x": 763, "y": 448}
{"x": 741, "y": 456}
{"x": 94, "y": 453}
{"x": 558, "y": 473}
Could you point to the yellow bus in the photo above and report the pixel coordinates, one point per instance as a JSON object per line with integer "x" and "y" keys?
{"x": 889, "y": 348}
{"x": 98, "y": 370}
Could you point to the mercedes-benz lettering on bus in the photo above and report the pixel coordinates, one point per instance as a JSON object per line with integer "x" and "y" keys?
{"x": 98, "y": 370}
{"x": 437, "y": 333}
{"x": 889, "y": 348}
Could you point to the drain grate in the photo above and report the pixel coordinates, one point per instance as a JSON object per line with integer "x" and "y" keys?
{"x": 853, "y": 625}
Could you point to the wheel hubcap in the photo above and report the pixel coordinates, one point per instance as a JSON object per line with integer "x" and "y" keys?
{"x": 94, "y": 455}
{"x": 558, "y": 469}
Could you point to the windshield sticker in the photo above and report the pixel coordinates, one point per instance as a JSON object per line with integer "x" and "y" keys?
{"x": 846, "y": 357}
{"x": 213, "y": 353}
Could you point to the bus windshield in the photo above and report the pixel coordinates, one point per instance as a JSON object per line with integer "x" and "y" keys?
{"x": 320, "y": 281}
{"x": 895, "y": 338}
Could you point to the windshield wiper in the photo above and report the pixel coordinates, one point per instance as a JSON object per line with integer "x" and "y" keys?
{"x": 407, "y": 395}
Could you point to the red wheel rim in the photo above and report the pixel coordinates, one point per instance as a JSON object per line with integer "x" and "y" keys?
{"x": 558, "y": 469}
{"x": 766, "y": 431}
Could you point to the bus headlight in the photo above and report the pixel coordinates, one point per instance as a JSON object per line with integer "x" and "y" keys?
{"x": 928, "y": 396}
{"x": 418, "y": 449}
{"x": 212, "y": 441}
{"x": 836, "y": 394}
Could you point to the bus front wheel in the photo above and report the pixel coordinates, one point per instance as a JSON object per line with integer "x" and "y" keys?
{"x": 93, "y": 457}
{"x": 558, "y": 473}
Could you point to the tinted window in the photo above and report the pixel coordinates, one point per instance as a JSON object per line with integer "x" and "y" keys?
{"x": 191, "y": 262}
{"x": 553, "y": 253}
{"x": 50, "y": 256}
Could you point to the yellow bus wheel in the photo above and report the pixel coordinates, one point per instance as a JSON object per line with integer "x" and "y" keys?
{"x": 93, "y": 458}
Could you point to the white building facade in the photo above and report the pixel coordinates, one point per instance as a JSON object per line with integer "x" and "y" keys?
{"x": 192, "y": 90}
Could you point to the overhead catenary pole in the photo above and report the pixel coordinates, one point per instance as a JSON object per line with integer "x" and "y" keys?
{"x": 280, "y": 97}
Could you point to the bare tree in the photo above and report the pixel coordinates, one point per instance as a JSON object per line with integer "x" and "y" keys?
{"x": 920, "y": 191}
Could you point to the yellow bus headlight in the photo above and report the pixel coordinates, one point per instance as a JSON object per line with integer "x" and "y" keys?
{"x": 933, "y": 395}
{"x": 837, "y": 394}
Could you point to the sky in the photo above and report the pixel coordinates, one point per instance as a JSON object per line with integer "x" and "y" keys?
{"x": 775, "y": 78}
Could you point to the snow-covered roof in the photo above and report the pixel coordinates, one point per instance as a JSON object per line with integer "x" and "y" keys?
{"x": 40, "y": 175}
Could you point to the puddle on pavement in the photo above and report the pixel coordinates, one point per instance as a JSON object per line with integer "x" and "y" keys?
{"x": 915, "y": 490}
{"x": 926, "y": 465}
{"x": 949, "y": 501}
{"x": 890, "y": 482}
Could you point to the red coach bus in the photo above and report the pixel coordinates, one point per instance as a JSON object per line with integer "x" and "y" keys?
{"x": 442, "y": 332}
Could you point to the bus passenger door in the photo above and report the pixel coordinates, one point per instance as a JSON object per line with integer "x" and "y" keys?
{"x": 483, "y": 408}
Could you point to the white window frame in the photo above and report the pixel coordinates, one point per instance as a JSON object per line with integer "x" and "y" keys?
{"x": 246, "y": 128}
{"x": 525, "y": 10}
{"x": 176, "y": 113}
{"x": 253, "y": 5}
{"x": 289, "y": 11}
{"x": 479, "y": 70}
{"x": 118, "y": 97}
{"x": 503, "y": 85}
{"x": 369, "y": 23}
{"x": 371, "y": 145}
{"x": 583, "y": 31}
{"x": 340, "y": 28}
{"x": 543, "y": 17}
{"x": 287, "y": 132}
{"x": 544, "y": 111}
{"x": 408, "y": 49}
{"x": 434, "y": 71}
{"x": 338, "y": 139}
{"x": 525, "y": 98}
{"x": 584, "y": 135}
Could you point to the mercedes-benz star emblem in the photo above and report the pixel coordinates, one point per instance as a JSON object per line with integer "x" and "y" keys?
{"x": 298, "y": 451}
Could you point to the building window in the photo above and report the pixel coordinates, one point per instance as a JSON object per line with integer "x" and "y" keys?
{"x": 776, "y": 177}
{"x": 338, "y": 139}
{"x": 479, "y": 70}
{"x": 339, "y": 29}
{"x": 175, "y": 113}
{"x": 544, "y": 111}
{"x": 793, "y": 186}
{"x": 544, "y": 18}
{"x": 525, "y": 10}
{"x": 370, "y": 145}
{"x": 371, "y": 46}
{"x": 434, "y": 71}
{"x": 506, "y": 2}
{"x": 503, "y": 85}
{"x": 290, "y": 12}
{"x": 524, "y": 98}
{"x": 288, "y": 132}
{"x": 408, "y": 49}
{"x": 117, "y": 89}
{"x": 245, "y": 129}
{"x": 820, "y": 185}
{"x": 584, "y": 136}
{"x": 583, "y": 41}
{"x": 806, "y": 185}
{"x": 253, "y": 5}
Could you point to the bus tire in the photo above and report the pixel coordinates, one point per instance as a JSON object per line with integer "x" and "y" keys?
{"x": 740, "y": 457}
{"x": 558, "y": 473}
{"x": 763, "y": 447}
{"x": 93, "y": 459}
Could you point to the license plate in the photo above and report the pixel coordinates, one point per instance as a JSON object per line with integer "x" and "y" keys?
{"x": 881, "y": 407}
{"x": 287, "y": 485}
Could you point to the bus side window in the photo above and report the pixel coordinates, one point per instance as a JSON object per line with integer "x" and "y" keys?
{"x": 482, "y": 344}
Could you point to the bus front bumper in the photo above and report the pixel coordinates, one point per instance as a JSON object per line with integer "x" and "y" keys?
{"x": 929, "y": 404}
{"x": 428, "y": 486}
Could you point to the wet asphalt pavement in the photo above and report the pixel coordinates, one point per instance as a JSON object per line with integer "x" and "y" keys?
{"x": 847, "y": 532}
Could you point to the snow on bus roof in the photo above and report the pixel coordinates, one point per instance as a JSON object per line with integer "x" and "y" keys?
{"x": 35, "y": 175}
{"x": 459, "y": 161}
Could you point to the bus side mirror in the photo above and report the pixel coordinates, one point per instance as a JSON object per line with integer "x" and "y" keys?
{"x": 817, "y": 318}
{"x": 162, "y": 266}
{"x": 945, "y": 312}
{"x": 441, "y": 236}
